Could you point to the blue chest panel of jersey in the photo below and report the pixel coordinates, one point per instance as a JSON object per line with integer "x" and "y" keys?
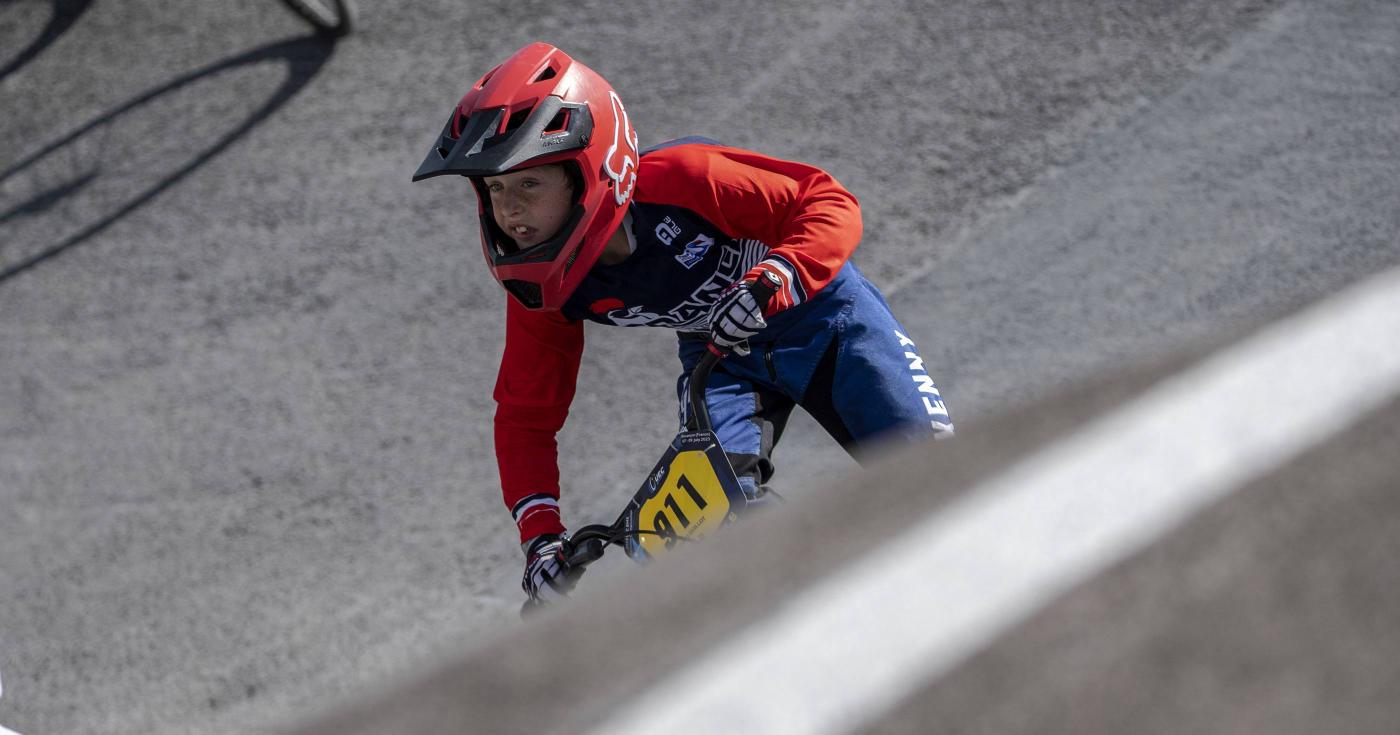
{"x": 673, "y": 278}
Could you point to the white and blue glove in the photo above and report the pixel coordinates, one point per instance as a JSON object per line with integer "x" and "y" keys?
{"x": 548, "y": 577}
{"x": 737, "y": 316}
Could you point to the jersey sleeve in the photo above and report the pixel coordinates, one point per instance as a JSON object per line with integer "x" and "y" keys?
{"x": 809, "y": 220}
{"x": 535, "y": 385}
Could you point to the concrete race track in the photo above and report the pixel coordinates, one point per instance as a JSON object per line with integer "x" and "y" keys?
{"x": 246, "y": 477}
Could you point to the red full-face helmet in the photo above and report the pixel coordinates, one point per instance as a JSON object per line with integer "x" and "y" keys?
{"x": 541, "y": 107}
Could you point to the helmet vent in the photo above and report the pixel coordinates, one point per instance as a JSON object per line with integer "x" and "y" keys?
{"x": 572, "y": 257}
{"x": 528, "y": 293}
{"x": 517, "y": 119}
{"x": 487, "y": 78}
{"x": 560, "y": 122}
{"x": 546, "y": 73}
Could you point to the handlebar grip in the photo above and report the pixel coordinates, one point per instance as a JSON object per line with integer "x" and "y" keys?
{"x": 764, "y": 287}
{"x": 584, "y": 553}
{"x": 585, "y": 548}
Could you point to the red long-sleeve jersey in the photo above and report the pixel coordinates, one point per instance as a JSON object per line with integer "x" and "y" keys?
{"x": 702, "y": 217}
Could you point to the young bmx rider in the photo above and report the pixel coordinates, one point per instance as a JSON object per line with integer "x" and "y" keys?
{"x": 578, "y": 224}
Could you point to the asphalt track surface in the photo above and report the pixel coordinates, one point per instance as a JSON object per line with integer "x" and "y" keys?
{"x": 245, "y": 459}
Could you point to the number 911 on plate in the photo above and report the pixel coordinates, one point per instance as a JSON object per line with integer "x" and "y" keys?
{"x": 691, "y": 492}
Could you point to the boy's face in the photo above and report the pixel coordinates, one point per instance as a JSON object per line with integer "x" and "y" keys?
{"x": 532, "y": 204}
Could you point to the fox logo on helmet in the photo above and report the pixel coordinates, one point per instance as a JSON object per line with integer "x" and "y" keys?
{"x": 621, "y": 163}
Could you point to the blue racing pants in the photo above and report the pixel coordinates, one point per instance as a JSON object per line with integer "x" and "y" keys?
{"x": 842, "y": 357}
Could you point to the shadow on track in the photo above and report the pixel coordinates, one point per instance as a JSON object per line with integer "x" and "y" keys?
{"x": 65, "y": 14}
{"x": 304, "y": 58}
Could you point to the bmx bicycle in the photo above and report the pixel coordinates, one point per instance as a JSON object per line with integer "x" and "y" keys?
{"x": 330, "y": 18}
{"x": 691, "y": 492}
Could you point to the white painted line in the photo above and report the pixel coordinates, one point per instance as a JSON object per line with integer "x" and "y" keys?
{"x": 5, "y": 730}
{"x": 856, "y": 644}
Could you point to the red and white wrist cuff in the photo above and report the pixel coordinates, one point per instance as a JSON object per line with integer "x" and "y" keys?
{"x": 536, "y": 514}
{"x": 790, "y": 294}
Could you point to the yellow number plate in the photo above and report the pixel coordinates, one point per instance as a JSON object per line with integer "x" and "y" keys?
{"x": 689, "y": 503}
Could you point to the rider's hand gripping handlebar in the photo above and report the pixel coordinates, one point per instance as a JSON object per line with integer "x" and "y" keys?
{"x": 763, "y": 289}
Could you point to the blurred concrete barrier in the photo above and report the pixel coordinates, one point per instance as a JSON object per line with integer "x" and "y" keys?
{"x": 903, "y": 581}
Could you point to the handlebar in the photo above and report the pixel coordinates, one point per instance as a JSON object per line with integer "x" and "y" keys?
{"x": 763, "y": 289}
{"x": 587, "y": 544}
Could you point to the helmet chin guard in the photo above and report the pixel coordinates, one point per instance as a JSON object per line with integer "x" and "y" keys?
{"x": 541, "y": 107}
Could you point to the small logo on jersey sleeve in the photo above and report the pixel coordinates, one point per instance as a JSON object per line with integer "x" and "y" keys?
{"x": 694, "y": 251}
